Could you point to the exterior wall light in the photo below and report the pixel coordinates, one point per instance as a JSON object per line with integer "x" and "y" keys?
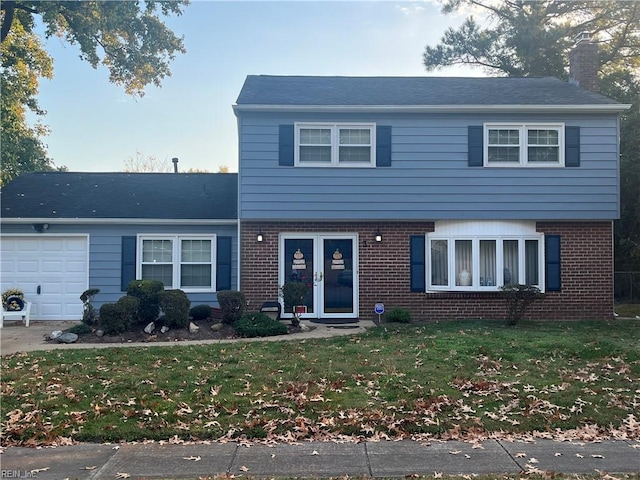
{"x": 260, "y": 236}
{"x": 378, "y": 236}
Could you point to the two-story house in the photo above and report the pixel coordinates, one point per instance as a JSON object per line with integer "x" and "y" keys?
{"x": 428, "y": 194}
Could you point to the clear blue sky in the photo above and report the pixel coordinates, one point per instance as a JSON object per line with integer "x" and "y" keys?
{"x": 96, "y": 127}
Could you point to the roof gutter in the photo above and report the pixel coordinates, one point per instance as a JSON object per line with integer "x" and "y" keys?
{"x": 120, "y": 221}
{"x": 596, "y": 108}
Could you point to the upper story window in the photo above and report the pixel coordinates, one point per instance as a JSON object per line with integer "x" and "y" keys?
{"x": 186, "y": 263}
{"x": 533, "y": 145}
{"x": 343, "y": 144}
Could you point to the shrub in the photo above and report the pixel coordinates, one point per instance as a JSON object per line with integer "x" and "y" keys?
{"x": 518, "y": 298}
{"x": 147, "y": 292}
{"x": 293, "y": 293}
{"x": 200, "y": 312}
{"x": 232, "y": 304}
{"x": 112, "y": 319}
{"x": 398, "y": 315}
{"x": 130, "y": 307}
{"x": 258, "y": 324}
{"x": 79, "y": 329}
{"x": 89, "y": 315}
{"x": 175, "y": 305}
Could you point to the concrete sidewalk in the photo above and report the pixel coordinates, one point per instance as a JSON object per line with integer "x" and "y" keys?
{"x": 317, "y": 459}
{"x": 15, "y": 337}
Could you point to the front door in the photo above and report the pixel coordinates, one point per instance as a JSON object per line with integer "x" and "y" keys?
{"x": 327, "y": 264}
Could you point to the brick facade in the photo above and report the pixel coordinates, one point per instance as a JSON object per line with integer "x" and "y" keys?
{"x": 586, "y": 263}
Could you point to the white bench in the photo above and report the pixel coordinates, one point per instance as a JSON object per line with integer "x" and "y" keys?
{"x": 17, "y": 315}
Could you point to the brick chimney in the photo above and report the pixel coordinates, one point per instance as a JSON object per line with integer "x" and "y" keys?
{"x": 584, "y": 63}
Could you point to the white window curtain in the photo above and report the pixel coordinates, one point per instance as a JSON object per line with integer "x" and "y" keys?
{"x": 439, "y": 263}
{"x": 510, "y": 252}
{"x": 464, "y": 262}
{"x": 487, "y": 263}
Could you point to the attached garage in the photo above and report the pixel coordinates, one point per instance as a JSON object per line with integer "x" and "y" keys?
{"x": 51, "y": 270}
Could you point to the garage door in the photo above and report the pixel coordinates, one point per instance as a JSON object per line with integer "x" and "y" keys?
{"x": 51, "y": 271}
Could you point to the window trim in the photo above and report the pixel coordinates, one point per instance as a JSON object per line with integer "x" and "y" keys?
{"x": 475, "y": 239}
{"x": 335, "y": 144}
{"x": 177, "y": 263}
{"x": 523, "y": 128}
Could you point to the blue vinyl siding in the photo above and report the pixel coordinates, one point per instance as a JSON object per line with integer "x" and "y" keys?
{"x": 429, "y": 178}
{"x": 105, "y": 257}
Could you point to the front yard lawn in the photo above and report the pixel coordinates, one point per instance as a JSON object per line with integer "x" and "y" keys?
{"x": 459, "y": 379}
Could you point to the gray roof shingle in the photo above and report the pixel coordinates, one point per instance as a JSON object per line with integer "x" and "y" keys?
{"x": 69, "y": 195}
{"x": 413, "y": 91}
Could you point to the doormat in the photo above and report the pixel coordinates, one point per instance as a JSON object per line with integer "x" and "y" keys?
{"x": 334, "y": 321}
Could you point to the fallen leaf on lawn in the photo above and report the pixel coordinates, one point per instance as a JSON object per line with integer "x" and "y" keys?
{"x": 437, "y": 474}
{"x": 520, "y": 455}
{"x": 122, "y": 475}
{"x": 273, "y": 455}
{"x": 532, "y": 460}
{"x": 92, "y": 467}
{"x": 467, "y": 456}
{"x": 597, "y": 456}
{"x": 117, "y": 447}
{"x": 196, "y": 459}
{"x": 37, "y": 470}
{"x": 244, "y": 469}
{"x": 454, "y": 452}
{"x": 579, "y": 456}
{"x": 558, "y": 454}
{"x": 315, "y": 452}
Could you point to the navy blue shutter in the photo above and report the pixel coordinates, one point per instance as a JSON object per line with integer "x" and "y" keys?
{"x": 286, "y": 150}
{"x": 128, "y": 262}
{"x": 552, "y": 263}
{"x": 475, "y": 145}
{"x": 572, "y": 146}
{"x": 417, "y": 263}
{"x": 223, "y": 264}
{"x": 383, "y": 146}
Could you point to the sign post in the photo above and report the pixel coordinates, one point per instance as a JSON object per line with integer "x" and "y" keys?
{"x": 379, "y": 309}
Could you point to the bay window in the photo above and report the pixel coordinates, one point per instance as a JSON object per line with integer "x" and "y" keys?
{"x": 464, "y": 256}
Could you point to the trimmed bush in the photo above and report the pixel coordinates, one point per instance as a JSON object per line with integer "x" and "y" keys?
{"x": 398, "y": 315}
{"x": 89, "y": 315}
{"x": 175, "y": 305}
{"x": 129, "y": 309}
{"x": 258, "y": 324}
{"x": 79, "y": 329}
{"x": 200, "y": 312}
{"x": 232, "y": 304}
{"x": 112, "y": 319}
{"x": 147, "y": 292}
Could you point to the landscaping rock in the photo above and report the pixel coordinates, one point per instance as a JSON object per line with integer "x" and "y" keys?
{"x": 193, "y": 328}
{"x": 55, "y": 334}
{"x": 304, "y": 327}
{"x": 216, "y": 327}
{"x": 150, "y": 328}
{"x": 99, "y": 333}
{"x": 67, "y": 337}
{"x": 164, "y": 329}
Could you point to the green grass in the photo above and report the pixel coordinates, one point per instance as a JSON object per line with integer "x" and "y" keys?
{"x": 450, "y": 380}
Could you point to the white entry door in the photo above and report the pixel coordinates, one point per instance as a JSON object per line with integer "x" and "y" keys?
{"x": 52, "y": 271}
{"x": 328, "y": 264}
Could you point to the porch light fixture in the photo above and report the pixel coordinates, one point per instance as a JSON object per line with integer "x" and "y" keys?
{"x": 378, "y": 236}
{"x": 260, "y": 236}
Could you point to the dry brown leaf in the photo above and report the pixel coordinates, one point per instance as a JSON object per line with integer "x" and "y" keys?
{"x": 244, "y": 469}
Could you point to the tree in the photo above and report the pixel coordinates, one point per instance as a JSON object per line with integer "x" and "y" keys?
{"x": 148, "y": 164}
{"x": 533, "y": 38}
{"x": 128, "y": 38}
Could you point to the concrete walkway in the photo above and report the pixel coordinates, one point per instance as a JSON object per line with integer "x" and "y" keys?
{"x": 317, "y": 459}
{"x": 15, "y": 337}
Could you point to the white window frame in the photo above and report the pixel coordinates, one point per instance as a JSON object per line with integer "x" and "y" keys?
{"x": 177, "y": 260}
{"x": 335, "y": 144}
{"x": 465, "y": 231}
{"x": 523, "y": 128}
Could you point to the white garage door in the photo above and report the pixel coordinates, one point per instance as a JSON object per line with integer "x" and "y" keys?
{"x": 52, "y": 272}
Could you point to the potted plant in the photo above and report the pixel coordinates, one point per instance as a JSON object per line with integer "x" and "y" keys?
{"x": 293, "y": 294}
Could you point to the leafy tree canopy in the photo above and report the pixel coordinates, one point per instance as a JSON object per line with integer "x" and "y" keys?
{"x": 533, "y": 38}
{"x": 129, "y": 38}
